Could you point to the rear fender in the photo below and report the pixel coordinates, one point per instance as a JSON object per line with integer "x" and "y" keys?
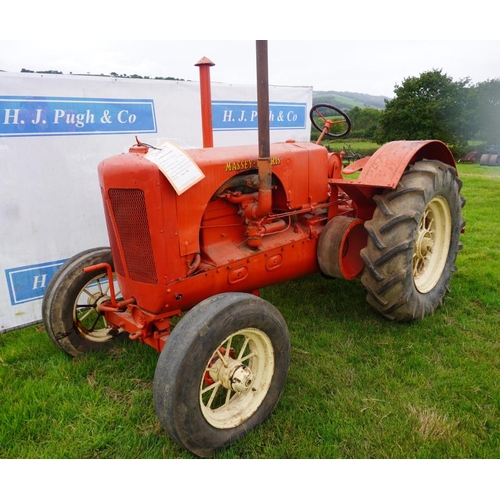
{"x": 386, "y": 166}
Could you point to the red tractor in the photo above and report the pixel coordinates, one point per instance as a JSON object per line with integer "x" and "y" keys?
{"x": 260, "y": 215}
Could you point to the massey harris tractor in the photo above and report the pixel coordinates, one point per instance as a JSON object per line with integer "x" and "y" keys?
{"x": 183, "y": 271}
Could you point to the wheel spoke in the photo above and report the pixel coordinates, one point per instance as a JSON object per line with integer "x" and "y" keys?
{"x": 427, "y": 226}
{"x": 248, "y": 356}
{"x": 243, "y": 349}
{"x": 338, "y": 122}
{"x": 214, "y": 388}
{"x": 210, "y": 387}
{"x": 228, "y": 348}
{"x": 321, "y": 115}
{"x": 107, "y": 289}
{"x": 85, "y": 314}
{"x": 221, "y": 357}
{"x": 91, "y": 329}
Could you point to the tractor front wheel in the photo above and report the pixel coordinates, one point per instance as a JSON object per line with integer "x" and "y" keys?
{"x": 70, "y": 305}
{"x": 413, "y": 241}
{"x": 221, "y": 372}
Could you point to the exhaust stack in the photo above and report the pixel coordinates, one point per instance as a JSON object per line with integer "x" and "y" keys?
{"x": 264, "y": 161}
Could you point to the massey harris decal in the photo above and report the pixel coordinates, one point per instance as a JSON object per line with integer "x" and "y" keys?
{"x": 234, "y": 166}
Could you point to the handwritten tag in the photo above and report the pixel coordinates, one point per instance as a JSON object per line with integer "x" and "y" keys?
{"x": 180, "y": 170}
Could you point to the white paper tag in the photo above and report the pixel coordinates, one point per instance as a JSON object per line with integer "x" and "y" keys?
{"x": 178, "y": 167}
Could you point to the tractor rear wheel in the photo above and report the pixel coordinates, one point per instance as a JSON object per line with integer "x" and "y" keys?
{"x": 413, "y": 241}
{"x": 69, "y": 306}
{"x": 221, "y": 372}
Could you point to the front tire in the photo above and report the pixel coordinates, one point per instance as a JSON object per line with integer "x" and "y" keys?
{"x": 69, "y": 306}
{"x": 221, "y": 372}
{"x": 414, "y": 238}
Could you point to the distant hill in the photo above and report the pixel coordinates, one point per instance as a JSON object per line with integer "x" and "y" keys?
{"x": 348, "y": 100}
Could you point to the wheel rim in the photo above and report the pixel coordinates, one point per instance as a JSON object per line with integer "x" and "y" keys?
{"x": 88, "y": 321}
{"x": 237, "y": 378}
{"x": 432, "y": 244}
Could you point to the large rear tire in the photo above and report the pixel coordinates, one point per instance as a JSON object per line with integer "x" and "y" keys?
{"x": 413, "y": 241}
{"x": 221, "y": 372}
{"x": 69, "y": 306}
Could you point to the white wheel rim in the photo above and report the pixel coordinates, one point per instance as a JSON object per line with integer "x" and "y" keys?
{"x": 432, "y": 244}
{"x": 237, "y": 378}
{"x": 88, "y": 321}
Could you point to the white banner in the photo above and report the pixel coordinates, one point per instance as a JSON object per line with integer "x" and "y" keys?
{"x": 54, "y": 131}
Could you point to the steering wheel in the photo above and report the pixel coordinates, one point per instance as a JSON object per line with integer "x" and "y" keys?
{"x": 323, "y": 116}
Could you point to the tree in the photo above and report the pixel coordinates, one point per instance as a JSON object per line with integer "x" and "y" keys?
{"x": 47, "y": 72}
{"x": 487, "y": 110}
{"x": 364, "y": 122}
{"x": 430, "y": 106}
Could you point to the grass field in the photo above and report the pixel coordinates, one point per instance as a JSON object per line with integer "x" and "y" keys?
{"x": 358, "y": 386}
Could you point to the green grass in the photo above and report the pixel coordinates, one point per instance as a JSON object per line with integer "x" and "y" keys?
{"x": 359, "y": 386}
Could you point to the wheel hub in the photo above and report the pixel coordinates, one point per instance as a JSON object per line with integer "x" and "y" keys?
{"x": 425, "y": 244}
{"x": 96, "y": 299}
{"x": 233, "y": 375}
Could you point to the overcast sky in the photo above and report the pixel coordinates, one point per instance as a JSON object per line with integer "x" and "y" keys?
{"x": 367, "y": 66}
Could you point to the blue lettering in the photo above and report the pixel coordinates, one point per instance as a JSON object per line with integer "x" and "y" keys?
{"x": 281, "y": 115}
{"x": 27, "y": 116}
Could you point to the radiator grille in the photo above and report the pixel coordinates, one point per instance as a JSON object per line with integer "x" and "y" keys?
{"x": 129, "y": 210}
{"x": 117, "y": 259}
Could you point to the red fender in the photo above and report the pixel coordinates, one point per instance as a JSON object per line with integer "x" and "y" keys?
{"x": 386, "y": 166}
